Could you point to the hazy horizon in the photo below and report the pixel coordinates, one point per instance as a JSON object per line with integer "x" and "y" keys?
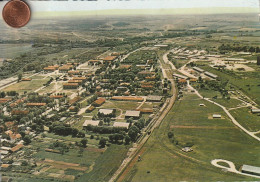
{"x": 161, "y": 7}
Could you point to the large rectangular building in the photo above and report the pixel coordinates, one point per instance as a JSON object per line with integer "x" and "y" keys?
{"x": 70, "y": 85}
{"x": 180, "y": 76}
{"x": 198, "y": 69}
{"x": 132, "y": 114}
{"x": 154, "y": 98}
{"x": 211, "y": 75}
{"x": 255, "y": 111}
{"x": 121, "y": 125}
{"x": 107, "y": 112}
{"x": 251, "y": 170}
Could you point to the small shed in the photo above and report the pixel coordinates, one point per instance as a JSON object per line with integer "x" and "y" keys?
{"x": 217, "y": 116}
{"x": 186, "y": 149}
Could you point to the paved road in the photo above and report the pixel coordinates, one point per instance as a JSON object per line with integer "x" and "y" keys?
{"x": 231, "y": 167}
{"x": 183, "y": 71}
{"x": 124, "y": 57}
{"x": 252, "y": 134}
{"x": 153, "y": 124}
{"x": 166, "y": 60}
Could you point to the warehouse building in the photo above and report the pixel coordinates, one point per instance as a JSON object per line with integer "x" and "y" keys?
{"x": 132, "y": 114}
{"x": 198, "y": 69}
{"x": 154, "y": 98}
{"x": 211, "y": 75}
{"x": 251, "y": 170}
{"x": 121, "y": 125}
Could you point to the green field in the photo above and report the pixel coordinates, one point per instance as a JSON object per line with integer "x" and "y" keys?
{"x": 10, "y": 51}
{"x": 247, "y": 119}
{"x": 228, "y": 103}
{"x": 29, "y": 86}
{"x": 248, "y": 82}
{"x": 106, "y": 164}
{"x": 212, "y": 138}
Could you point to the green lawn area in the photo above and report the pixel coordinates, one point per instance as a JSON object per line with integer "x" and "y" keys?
{"x": 72, "y": 156}
{"x": 231, "y": 103}
{"x": 150, "y": 105}
{"x": 179, "y": 62}
{"x": 246, "y": 79}
{"x": 209, "y": 93}
{"x": 28, "y": 86}
{"x": 37, "y": 77}
{"x": 247, "y": 119}
{"x": 212, "y": 139}
{"x": 106, "y": 164}
{"x": 47, "y": 89}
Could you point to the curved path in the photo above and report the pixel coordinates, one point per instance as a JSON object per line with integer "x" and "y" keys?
{"x": 231, "y": 168}
{"x": 166, "y": 60}
{"x": 252, "y": 134}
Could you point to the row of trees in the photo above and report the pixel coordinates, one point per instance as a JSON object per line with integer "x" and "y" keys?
{"x": 8, "y": 93}
{"x": 104, "y": 129}
{"x": 65, "y": 130}
{"x": 238, "y": 48}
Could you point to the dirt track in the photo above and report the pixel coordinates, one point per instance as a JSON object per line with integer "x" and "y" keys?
{"x": 201, "y": 127}
{"x": 64, "y": 165}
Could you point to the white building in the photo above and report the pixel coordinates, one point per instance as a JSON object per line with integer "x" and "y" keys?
{"x": 121, "y": 125}
{"x": 216, "y": 116}
{"x": 90, "y": 122}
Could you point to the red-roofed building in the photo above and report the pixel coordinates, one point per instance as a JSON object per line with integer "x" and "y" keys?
{"x": 123, "y": 66}
{"x": 93, "y": 62}
{"x": 65, "y": 68}
{"x": 109, "y": 59}
{"x": 99, "y": 102}
{"x": 19, "y": 112}
{"x": 56, "y": 96}
{"x": 26, "y": 79}
{"x": 4, "y": 100}
{"x": 75, "y": 81}
{"x": 74, "y": 100}
{"x": 74, "y": 72}
{"x": 35, "y": 104}
{"x": 83, "y": 79}
{"x": 16, "y": 148}
{"x": 128, "y": 98}
{"x": 70, "y": 85}
{"x": 182, "y": 81}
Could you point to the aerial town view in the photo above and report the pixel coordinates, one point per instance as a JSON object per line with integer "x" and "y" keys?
{"x": 131, "y": 98}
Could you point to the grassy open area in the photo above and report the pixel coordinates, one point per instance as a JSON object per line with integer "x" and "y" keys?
{"x": 228, "y": 103}
{"x": 248, "y": 82}
{"x": 47, "y": 89}
{"x": 28, "y": 86}
{"x": 162, "y": 160}
{"x": 106, "y": 164}
{"x": 12, "y": 50}
{"x": 247, "y": 119}
{"x": 124, "y": 105}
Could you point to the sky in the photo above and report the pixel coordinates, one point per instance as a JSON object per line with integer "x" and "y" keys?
{"x": 40, "y": 6}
